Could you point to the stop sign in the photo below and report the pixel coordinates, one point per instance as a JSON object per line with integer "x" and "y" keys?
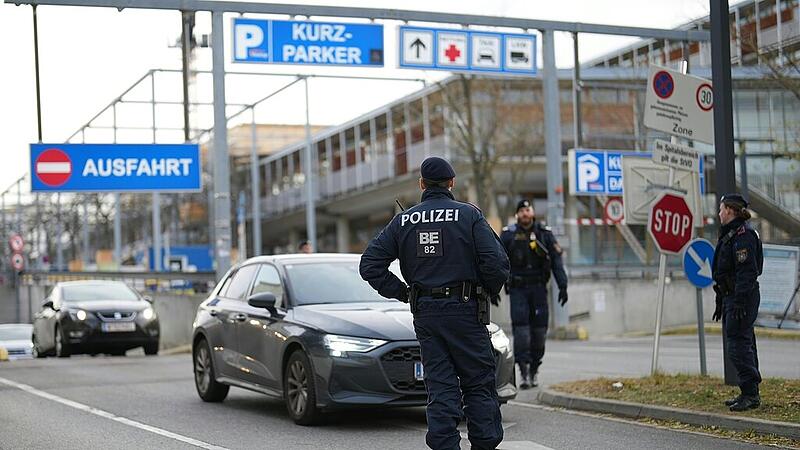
{"x": 670, "y": 223}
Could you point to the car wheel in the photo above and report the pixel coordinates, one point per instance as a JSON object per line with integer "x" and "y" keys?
{"x": 151, "y": 349}
{"x": 62, "y": 348}
{"x": 35, "y": 350}
{"x": 299, "y": 390}
{"x": 208, "y": 388}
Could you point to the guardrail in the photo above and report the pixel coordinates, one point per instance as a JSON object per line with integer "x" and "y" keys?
{"x": 174, "y": 282}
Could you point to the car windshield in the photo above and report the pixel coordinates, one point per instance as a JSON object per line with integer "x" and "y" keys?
{"x": 16, "y": 333}
{"x": 95, "y": 292}
{"x": 330, "y": 282}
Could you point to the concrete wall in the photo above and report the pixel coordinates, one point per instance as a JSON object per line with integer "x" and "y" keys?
{"x": 175, "y": 312}
{"x": 623, "y": 305}
{"x": 603, "y": 307}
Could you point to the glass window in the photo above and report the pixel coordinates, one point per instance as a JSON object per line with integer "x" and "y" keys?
{"x": 98, "y": 292}
{"x": 240, "y": 282}
{"x": 268, "y": 280}
{"x": 331, "y": 282}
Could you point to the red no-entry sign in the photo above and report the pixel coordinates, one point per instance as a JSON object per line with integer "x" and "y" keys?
{"x": 53, "y": 167}
{"x": 670, "y": 223}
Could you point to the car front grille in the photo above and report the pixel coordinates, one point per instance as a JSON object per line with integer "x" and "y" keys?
{"x": 399, "y": 367}
{"x": 110, "y": 316}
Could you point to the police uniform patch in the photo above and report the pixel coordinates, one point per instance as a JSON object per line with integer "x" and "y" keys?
{"x": 741, "y": 255}
{"x": 429, "y": 243}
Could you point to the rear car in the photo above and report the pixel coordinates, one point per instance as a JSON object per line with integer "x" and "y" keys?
{"x": 15, "y": 338}
{"x": 95, "y": 316}
{"x": 309, "y": 330}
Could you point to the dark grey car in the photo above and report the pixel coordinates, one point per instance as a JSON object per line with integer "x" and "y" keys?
{"x": 94, "y": 316}
{"x": 308, "y": 329}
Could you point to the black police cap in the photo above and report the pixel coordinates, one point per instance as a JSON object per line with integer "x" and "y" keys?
{"x": 435, "y": 168}
{"x": 523, "y": 204}
{"x": 736, "y": 199}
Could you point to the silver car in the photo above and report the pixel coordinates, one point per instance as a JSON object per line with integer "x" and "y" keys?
{"x": 16, "y": 339}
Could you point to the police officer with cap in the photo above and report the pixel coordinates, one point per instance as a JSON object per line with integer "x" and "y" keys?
{"x": 453, "y": 262}
{"x": 534, "y": 254}
{"x": 738, "y": 262}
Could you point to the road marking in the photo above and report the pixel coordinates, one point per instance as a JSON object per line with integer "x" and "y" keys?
{"x": 110, "y": 416}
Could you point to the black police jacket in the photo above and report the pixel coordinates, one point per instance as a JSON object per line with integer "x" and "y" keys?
{"x": 528, "y": 258}
{"x": 439, "y": 242}
{"x": 738, "y": 261}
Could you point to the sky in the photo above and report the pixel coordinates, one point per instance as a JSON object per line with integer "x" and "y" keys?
{"x": 89, "y": 56}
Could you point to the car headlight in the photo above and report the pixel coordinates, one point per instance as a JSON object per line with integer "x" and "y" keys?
{"x": 500, "y": 341}
{"x": 340, "y": 345}
{"x": 79, "y": 314}
{"x": 148, "y": 313}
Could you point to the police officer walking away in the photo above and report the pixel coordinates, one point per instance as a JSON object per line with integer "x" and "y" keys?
{"x": 534, "y": 254}
{"x": 738, "y": 262}
{"x": 453, "y": 262}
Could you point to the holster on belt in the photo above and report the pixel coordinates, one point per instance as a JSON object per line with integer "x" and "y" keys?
{"x": 483, "y": 299}
{"x": 724, "y": 287}
{"x": 413, "y": 293}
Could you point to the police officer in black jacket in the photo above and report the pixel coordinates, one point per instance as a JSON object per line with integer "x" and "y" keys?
{"x": 453, "y": 262}
{"x": 534, "y": 254}
{"x": 738, "y": 262}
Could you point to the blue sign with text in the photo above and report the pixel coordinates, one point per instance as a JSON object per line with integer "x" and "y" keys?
{"x": 599, "y": 172}
{"x": 697, "y": 260}
{"x": 297, "y": 42}
{"x": 115, "y": 168}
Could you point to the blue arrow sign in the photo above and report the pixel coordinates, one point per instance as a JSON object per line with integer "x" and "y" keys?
{"x": 697, "y": 259}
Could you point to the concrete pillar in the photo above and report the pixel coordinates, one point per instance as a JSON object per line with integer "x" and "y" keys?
{"x": 343, "y": 235}
{"x": 572, "y": 243}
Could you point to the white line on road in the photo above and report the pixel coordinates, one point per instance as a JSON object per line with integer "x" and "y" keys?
{"x": 110, "y": 416}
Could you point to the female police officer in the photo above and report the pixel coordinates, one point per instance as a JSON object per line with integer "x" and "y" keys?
{"x": 738, "y": 261}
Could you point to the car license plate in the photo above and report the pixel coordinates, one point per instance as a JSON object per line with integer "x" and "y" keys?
{"x": 419, "y": 372}
{"x": 118, "y": 327}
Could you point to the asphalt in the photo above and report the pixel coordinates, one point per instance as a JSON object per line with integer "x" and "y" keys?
{"x": 150, "y": 402}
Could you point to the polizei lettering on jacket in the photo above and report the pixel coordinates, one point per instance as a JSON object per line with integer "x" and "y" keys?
{"x": 154, "y": 167}
{"x": 432, "y": 216}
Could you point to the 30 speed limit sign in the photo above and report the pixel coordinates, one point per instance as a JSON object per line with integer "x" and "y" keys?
{"x": 614, "y": 210}
{"x": 705, "y": 97}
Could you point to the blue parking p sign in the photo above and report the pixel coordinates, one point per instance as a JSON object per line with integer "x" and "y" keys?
{"x": 303, "y": 42}
{"x": 115, "y": 168}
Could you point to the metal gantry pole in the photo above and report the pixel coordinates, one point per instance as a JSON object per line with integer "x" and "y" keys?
{"x": 311, "y": 213}
{"x": 552, "y": 143}
{"x": 156, "y": 196}
{"x": 221, "y": 195}
{"x": 117, "y": 208}
{"x": 36, "y": 67}
{"x": 85, "y": 235}
{"x": 59, "y": 231}
{"x": 255, "y": 185}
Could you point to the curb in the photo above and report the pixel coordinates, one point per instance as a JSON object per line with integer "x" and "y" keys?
{"x": 176, "y": 350}
{"x": 637, "y": 411}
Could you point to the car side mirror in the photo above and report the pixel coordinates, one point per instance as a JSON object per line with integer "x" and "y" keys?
{"x": 47, "y": 303}
{"x": 263, "y": 300}
{"x": 147, "y": 298}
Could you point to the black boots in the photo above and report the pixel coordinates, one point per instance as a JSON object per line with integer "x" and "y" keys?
{"x": 525, "y": 382}
{"x": 746, "y": 402}
{"x": 733, "y": 401}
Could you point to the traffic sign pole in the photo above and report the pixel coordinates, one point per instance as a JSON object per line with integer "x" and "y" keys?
{"x": 701, "y": 332}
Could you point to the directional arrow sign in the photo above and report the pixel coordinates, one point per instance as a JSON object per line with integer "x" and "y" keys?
{"x": 418, "y": 45}
{"x": 697, "y": 259}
